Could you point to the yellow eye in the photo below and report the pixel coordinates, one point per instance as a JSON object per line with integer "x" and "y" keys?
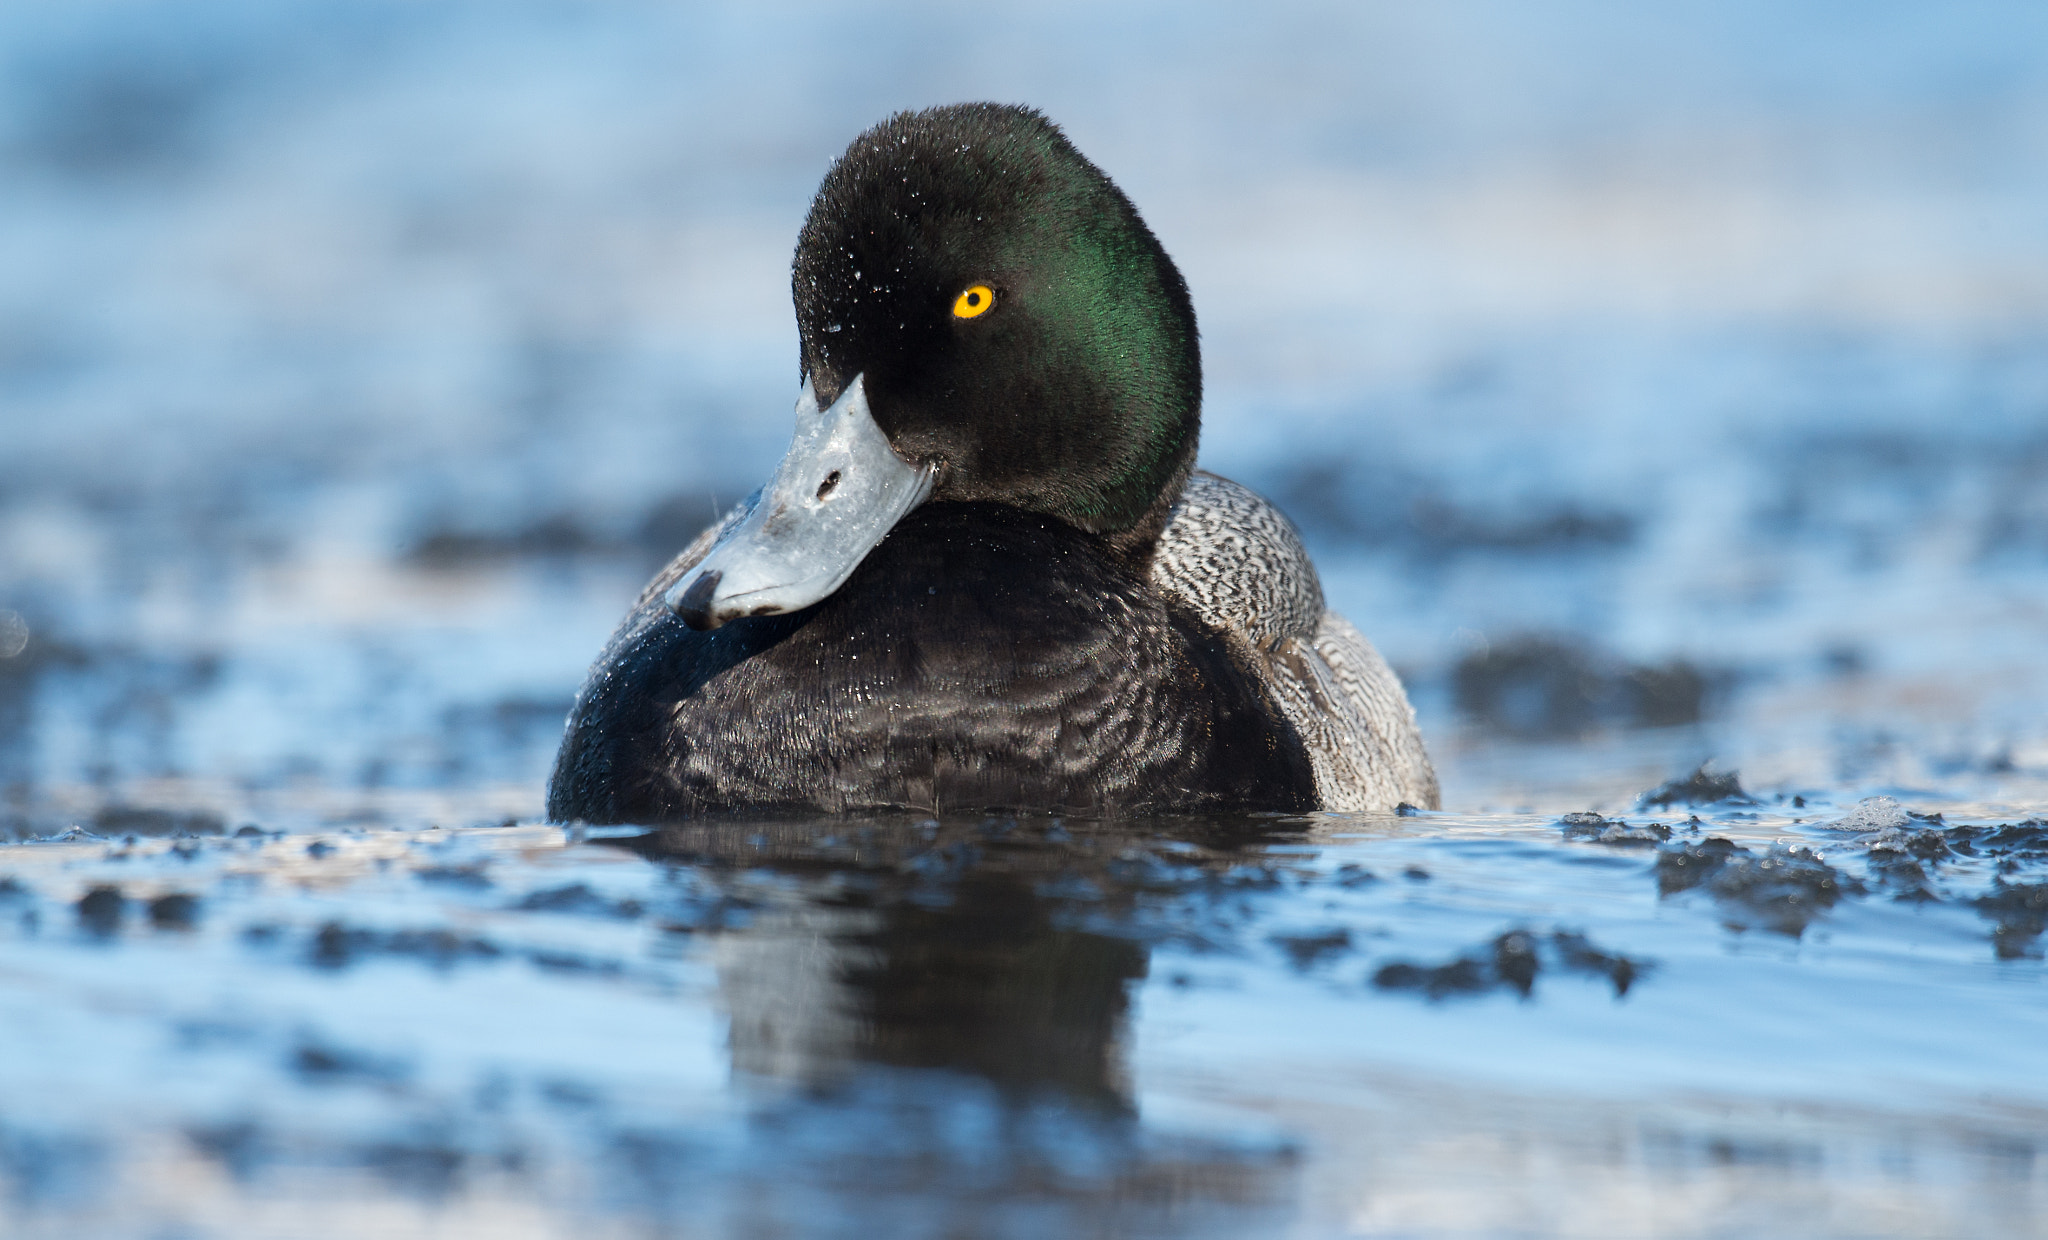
{"x": 974, "y": 302}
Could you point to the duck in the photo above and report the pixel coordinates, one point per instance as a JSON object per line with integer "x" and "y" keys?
{"x": 987, "y": 575}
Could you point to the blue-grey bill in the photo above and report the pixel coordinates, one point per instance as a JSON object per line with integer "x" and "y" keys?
{"x": 837, "y": 493}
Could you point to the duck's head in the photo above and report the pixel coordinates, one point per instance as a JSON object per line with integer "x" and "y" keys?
{"x": 984, "y": 318}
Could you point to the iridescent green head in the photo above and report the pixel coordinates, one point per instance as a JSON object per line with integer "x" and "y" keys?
{"x": 984, "y": 319}
{"x": 1015, "y": 323}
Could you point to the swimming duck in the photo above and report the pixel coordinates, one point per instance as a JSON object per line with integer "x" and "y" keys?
{"x": 987, "y": 573}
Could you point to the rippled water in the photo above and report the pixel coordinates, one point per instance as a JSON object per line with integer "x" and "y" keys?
{"x": 1656, "y": 388}
{"x": 1685, "y": 1022}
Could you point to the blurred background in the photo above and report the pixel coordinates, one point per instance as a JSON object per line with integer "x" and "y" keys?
{"x": 1653, "y": 383}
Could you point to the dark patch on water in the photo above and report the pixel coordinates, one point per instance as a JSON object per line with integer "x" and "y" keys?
{"x": 1577, "y": 954}
{"x": 1665, "y": 695}
{"x": 1899, "y": 860}
{"x": 579, "y": 898}
{"x": 1614, "y": 832}
{"x": 1920, "y": 843}
{"x": 1782, "y": 890}
{"x": 463, "y": 877}
{"x": 667, "y": 526}
{"x": 1551, "y": 528}
{"x": 2020, "y": 915}
{"x": 337, "y": 945}
{"x": 240, "y": 1147}
{"x": 1909, "y": 861}
{"x": 101, "y": 911}
{"x": 1541, "y": 686}
{"x": 553, "y": 961}
{"x": 426, "y": 1165}
{"x": 175, "y": 911}
{"x": 1533, "y": 687}
{"x": 1725, "y": 1150}
{"x": 116, "y": 820}
{"x": 558, "y": 535}
{"x": 426, "y": 1168}
{"x": 727, "y": 912}
{"x": 1352, "y": 502}
{"x": 144, "y": 113}
{"x": 323, "y": 1063}
{"x": 1511, "y": 962}
{"x": 2013, "y": 845}
{"x": 1843, "y": 660}
{"x": 1688, "y": 865}
{"x": 1306, "y": 951}
{"x": 1702, "y": 787}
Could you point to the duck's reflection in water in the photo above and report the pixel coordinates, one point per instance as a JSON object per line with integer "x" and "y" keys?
{"x": 915, "y": 1019}
{"x": 985, "y": 984}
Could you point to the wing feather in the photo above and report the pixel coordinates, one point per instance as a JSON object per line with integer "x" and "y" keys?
{"x": 1239, "y": 565}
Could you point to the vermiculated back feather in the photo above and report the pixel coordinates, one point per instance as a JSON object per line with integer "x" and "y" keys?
{"x": 1239, "y": 565}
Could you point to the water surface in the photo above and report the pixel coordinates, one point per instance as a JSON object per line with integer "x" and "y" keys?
{"x": 1686, "y": 1021}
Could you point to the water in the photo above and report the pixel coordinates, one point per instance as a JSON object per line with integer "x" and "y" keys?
{"x": 1655, "y": 388}
{"x": 1436, "y": 1025}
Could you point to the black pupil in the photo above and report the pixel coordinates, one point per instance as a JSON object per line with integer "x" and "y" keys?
{"x": 973, "y": 300}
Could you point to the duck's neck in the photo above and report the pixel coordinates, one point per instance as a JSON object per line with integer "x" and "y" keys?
{"x": 1136, "y": 543}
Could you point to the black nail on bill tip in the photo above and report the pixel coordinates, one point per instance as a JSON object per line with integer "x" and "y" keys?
{"x": 695, "y": 605}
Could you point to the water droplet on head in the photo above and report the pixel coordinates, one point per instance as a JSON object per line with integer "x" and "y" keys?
{"x": 13, "y": 634}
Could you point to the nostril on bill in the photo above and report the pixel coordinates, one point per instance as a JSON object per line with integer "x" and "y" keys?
{"x": 695, "y": 605}
{"x": 825, "y": 487}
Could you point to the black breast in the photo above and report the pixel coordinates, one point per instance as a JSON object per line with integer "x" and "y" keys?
{"x": 979, "y": 658}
